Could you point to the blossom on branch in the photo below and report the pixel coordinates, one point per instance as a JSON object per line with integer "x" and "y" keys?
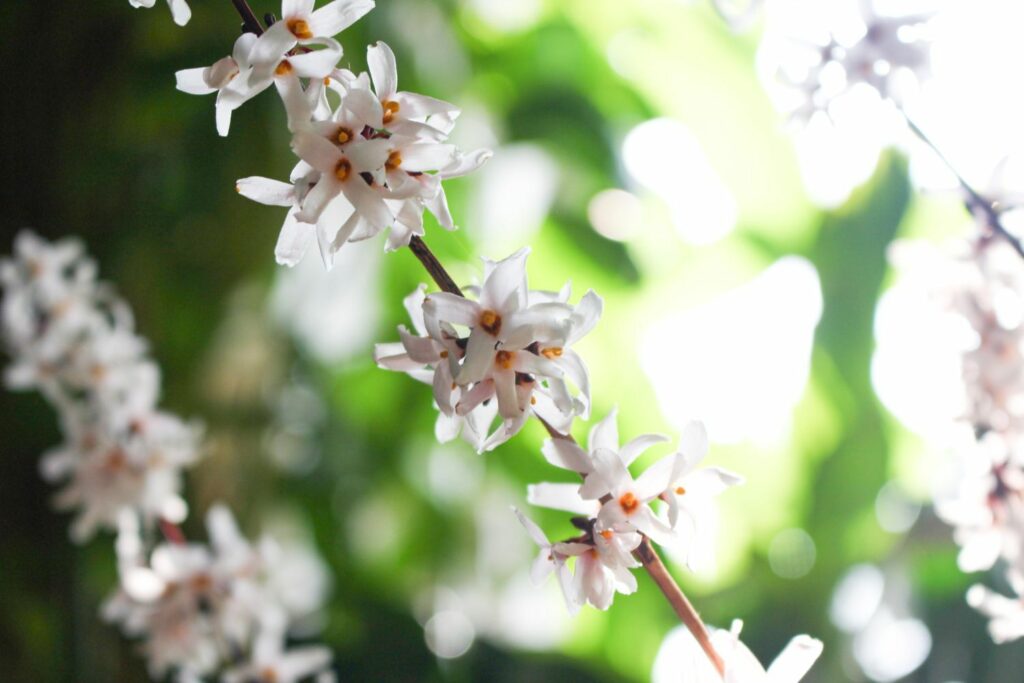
{"x": 514, "y": 353}
{"x": 180, "y": 11}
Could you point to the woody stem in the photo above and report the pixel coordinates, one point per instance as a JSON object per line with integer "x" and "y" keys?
{"x": 976, "y": 204}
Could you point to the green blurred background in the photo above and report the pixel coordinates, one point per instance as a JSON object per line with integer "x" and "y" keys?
{"x": 304, "y": 430}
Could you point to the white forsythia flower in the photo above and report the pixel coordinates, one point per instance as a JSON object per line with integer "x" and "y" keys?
{"x": 180, "y": 10}
{"x": 301, "y": 25}
{"x": 1006, "y": 614}
{"x": 514, "y": 355}
{"x": 193, "y": 605}
{"x": 617, "y": 507}
{"x": 374, "y": 160}
{"x": 235, "y": 80}
{"x": 842, "y": 45}
{"x": 681, "y": 660}
{"x": 552, "y": 558}
{"x": 109, "y": 472}
{"x": 71, "y": 338}
{"x": 987, "y": 511}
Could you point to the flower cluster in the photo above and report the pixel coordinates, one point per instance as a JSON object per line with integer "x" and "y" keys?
{"x": 370, "y": 155}
{"x": 818, "y": 54}
{"x": 72, "y": 339}
{"x": 373, "y": 157}
{"x": 618, "y": 509}
{"x": 987, "y": 507}
{"x": 506, "y": 354}
{"x": 198, "y": 609}
{"x": 227, "y": 605}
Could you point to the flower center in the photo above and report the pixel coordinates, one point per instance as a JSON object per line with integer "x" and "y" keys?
{"x": 553, "y": 352}
{"x": 390, "y": 110}
{"x": 300, "y": 29}
{"x": 490, "y": 321}
{"x": 680, "y": 490}
{"x": 344, "y": 135}
{"x": 394, "y": 161}
{"x": 116, "y": 460}
{"x": 628, "y": 502}
{"x": 284, "y": 68}
{"x": 607, "y": 534}
{"x": 343, "y": 170}
{"x": 503, "y": 359}
{"x": 268, "y": 675}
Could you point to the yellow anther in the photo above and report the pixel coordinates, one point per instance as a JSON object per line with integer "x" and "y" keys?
{"x": 284, "y": 68}
{"x": 504, "y": 359}
{"x": 390, "y": 109}
{"x": 628, "y": 502}
{"x": 444, "y": 354}
{"x": 300, "y": 29}
{"x": 680, "y": 490}
{"x": 343, "y": 136}
{"x": 607, "y": 534}
{"x": 552, "y": 352}
{"x": 394, "y": 160}
{"x": 490, "y": 321}
{"x": 343, "y": 170}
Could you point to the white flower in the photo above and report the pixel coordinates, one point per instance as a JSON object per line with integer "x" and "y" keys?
{"x": 109, "y": 472}
{"x": 681, "y": 659}
{"x": 690, "y": 491}
{"x": 235, "y": 81}
{"x": 300, "y": 24}
{"x": 1006, "y": 614}
{"x": 271, "y": 663}
{"x": 180, "y": 10}
{"x": 552, "y": 558}
{"x": 514, "y": 353}
{"x": 404, "y": 113}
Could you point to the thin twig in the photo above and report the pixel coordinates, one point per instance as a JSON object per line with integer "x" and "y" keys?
{"x": 433, "y": 266}
{"x": 975, "y": 202}
{"x": 250, "y": 24}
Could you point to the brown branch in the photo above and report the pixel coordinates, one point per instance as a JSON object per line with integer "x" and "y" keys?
{"x": 250, "y": 24}
{"x": 172, "y": 532}
{"x": 975, "y": 202}
{"x": 433, "y": 266}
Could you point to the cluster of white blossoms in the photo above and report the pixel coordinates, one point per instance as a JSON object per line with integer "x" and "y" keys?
{"x": 370, "y": 155}
{"x": 197, "y": 609}
{"x": 224, "y": 607}
{"x": 984, "y": 287}
{"x": 73, "y": 340}
{"x": 618, "y": 509}
{"x": 373, "y": 157}
{"x": 506, "y": 354}
{"x": 817, "y": 52}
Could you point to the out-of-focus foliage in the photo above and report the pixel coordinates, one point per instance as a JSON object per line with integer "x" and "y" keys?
{"x": 303, "y": 428}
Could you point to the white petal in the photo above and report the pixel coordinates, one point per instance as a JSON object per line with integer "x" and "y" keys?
{"x": 796, "y": 660}
{"x": 605, "y": 434}
{"x": 266, "y": 191}
{"x": 567, "y": 455}
{"x": 335, "y": 17}
{"x": 383, "y": 70}
{"x": 635, "y": 448}
{"x": 560, "y": 497}
{"x": 293, "y": 240}
{"x": 192, "y": 82}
